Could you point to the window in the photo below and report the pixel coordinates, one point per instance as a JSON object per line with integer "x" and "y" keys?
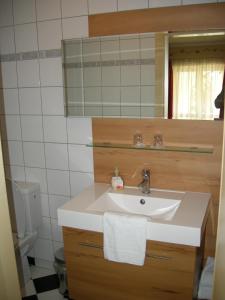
{"x": 196, "y": 84}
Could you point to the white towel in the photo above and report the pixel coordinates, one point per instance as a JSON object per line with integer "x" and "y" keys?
{"x": 206, "y": 281}
{"x": 125, "y": 238}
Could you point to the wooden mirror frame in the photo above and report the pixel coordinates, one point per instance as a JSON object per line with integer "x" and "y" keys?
{"x": 175, "y": 18}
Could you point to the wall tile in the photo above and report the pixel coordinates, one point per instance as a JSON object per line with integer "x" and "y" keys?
{"x": 45, "y": 205}
{"x": 17, "y": 173}
{"x": 6, "y": 13}
{"x": 51, "y": 72}
{"x": 30, "y": 101}
{"x": 11, "y": 102}
{"x": 49, "y": 34}
{"x": 34, "y": 154}
{"x": 37, "y": 175}
{"x": 15, "y": 153}
{"x": 77, "y": 136}
{"x": 148, "y": 94}
{"x": 56, "y": 231}
{"x": 147, "y": 74}
{"x": 92, "y": 95}
{"x": 130, "y": 75}
{"x": 55, "y": 202}
{"x": 24, "y": 11}
{"x": 110, "y": 49}
{"x": 44, "y": 231}
{"x": 102, "y": 6}
{"x": 7, "y": 44}
{"x": 111, "y": 95}
{"x": 9, "y": 74}
{"x": 58, "y": 182}
{"x": 130, "y": 111}
{"x": 80, "y": 158}
{"x": 71, "y": 8}
{"x": 111, "y": 76}
{"x": 130, "y": 48}
{"x": 130, "y": 95}
{"x": 74, "y": 77}
{"x": 147, "y": 45}
{"x": 79, "y": 181}
{"x": 13, "y": 128}
{"x": 75, "y": 27}
{"x": 28, "y": 73}
{"x": 92, "y": 76}
{"x": 48, "y": 9}
{"x": 32, "y": 128}
{"x": 56, "y": 156}
{"x": 132, "y": 4}
{"x": 161, "y": 3}
{"x": 26, "y": 37}
{"x": 52, "y": 100}
{"x": 55, "y": 129}
{"x": 91, "y": 51}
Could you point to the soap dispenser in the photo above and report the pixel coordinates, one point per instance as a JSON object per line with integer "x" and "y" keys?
{"x": 117, "y": 181}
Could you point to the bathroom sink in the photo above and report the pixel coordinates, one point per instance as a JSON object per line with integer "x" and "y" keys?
{"x": 157, "y": 205}
{"x": 172, "y": 216}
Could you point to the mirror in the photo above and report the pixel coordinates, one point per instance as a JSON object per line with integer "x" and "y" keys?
{"x": 127, "y": 75}
{"x": 115, "y": 76}
{"x": 196, "y": 74}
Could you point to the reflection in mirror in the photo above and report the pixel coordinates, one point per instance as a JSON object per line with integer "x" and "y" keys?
{"x": 196, "y": 75}
{"x": 115, "y": 76}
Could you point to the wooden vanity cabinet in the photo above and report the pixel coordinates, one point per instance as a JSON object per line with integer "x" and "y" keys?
{"x": 170, "y": 271}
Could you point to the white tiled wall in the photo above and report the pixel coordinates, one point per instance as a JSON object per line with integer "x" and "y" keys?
{"x": 41, "y": 145}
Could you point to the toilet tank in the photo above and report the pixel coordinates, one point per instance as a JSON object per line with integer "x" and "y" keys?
{"x": 30, "y": 192}
{"x": 17, "y": 208}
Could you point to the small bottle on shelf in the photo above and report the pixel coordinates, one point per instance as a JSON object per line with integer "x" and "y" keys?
{"x": 117, "y": 181}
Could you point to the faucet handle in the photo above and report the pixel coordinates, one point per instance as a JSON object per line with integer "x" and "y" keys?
{"x": 146, "y": 172}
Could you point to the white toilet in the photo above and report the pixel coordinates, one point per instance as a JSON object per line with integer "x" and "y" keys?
{"x": 27, "y": 213}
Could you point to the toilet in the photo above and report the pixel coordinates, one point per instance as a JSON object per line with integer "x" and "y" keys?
{"x": 27, "y": 218}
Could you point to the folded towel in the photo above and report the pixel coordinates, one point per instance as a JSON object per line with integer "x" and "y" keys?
{"x": 125, "y": 238}
{"x": 206, "y": 281}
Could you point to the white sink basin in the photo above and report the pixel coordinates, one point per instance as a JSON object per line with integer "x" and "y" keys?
{"x": 172, "y": 216}
{"x": 156, "y": 205}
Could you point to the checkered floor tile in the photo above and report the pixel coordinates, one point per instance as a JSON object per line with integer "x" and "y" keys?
{"x": 43, "y": 286}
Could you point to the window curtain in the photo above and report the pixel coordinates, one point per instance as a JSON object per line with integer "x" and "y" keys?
{"x": 196, "y": 84}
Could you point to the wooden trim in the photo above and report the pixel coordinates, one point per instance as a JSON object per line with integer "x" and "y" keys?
{"x": 177, "y": 18}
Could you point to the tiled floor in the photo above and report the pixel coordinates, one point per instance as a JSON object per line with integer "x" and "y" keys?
{"x": 43, "y": 285}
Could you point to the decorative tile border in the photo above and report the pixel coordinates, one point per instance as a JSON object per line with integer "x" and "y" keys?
{"x": 110, "y": 63}
{"x": 52, "y": 53}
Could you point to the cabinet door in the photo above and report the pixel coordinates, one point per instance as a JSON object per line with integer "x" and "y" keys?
{"x": 166, "y": 275}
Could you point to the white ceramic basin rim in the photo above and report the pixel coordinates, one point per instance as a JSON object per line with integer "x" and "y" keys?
{"x": 151, "y": 206}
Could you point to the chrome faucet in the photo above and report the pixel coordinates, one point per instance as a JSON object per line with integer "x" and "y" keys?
{"x": 145, "y": 184}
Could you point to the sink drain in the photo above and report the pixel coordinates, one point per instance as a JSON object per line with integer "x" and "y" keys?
{"x": 142, "y": 201}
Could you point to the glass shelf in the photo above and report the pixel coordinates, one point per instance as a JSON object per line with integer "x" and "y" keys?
{"x": 193, "y": 149}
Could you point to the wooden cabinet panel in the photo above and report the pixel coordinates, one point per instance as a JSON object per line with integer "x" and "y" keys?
{"x": 168, "y": 272}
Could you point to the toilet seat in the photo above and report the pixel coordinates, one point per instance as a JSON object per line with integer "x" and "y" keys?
{"x": 24, "y": 244}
